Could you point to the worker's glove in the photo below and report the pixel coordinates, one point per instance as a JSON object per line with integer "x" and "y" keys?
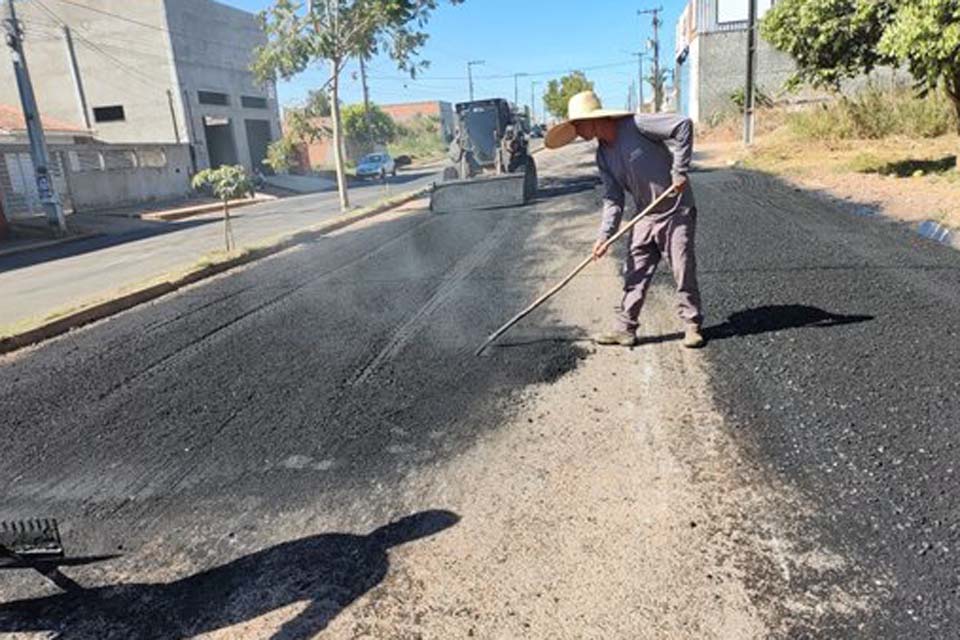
{"x": 679, "y": 184}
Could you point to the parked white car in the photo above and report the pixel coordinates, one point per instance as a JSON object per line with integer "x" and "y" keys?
{"x": 376, "y": 165}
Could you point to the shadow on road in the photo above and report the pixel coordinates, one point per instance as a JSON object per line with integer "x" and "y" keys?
{"x": 742, "y": 323}
{"x": 327, "y": 571}
{"x": 766, "y": 320}
{"x": 79, "y": 247}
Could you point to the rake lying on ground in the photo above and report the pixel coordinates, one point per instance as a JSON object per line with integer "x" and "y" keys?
{"x": 36, "y": 544}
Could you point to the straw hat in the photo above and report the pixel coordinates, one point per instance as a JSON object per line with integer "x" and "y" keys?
{"x": 583, "y": 106}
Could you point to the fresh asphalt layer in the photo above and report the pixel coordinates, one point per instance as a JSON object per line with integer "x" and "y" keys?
{"x": 317, "y": 379}
{"x": 841, "y": 375}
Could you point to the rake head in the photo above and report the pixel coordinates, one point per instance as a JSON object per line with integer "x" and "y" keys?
{"x": 31, "y": 539}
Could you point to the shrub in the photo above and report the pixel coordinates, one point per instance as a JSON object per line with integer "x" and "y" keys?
{"x": 876, "y": 113}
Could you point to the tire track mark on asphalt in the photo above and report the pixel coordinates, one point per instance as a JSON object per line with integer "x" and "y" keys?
{"x": 460, "y": 272}
{"x": 196, "y": 342}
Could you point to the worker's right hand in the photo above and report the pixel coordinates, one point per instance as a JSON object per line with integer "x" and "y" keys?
{"x": 599, "y": 249}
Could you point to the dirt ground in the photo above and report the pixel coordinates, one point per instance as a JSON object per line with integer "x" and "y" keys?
{"x": 849, "y": 170}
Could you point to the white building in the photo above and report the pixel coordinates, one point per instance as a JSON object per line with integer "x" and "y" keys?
{"x": 150, "y": 71}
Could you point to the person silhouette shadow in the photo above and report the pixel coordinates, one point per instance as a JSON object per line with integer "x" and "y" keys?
{"x": 328, "y": 571}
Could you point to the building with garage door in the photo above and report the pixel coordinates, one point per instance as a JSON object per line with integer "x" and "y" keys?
{"x": 150, "y": 71}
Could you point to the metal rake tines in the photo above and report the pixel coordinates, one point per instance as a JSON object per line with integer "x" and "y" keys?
{"x": 39, "y": 536}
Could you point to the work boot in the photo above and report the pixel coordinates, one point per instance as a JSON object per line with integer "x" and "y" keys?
{"x": 616, "y": 338}
{"x": 692, "y": 337}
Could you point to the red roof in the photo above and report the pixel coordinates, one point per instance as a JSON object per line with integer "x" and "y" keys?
{"x": 11, "y": 119}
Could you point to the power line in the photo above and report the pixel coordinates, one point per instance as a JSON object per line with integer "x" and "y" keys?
{"x": 136, "y": 73}
{"x": 147, "y": 25}
{"x": 507, "y": 76}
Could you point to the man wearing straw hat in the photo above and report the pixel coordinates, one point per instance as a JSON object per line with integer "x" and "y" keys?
{"x": 645, "y": 155}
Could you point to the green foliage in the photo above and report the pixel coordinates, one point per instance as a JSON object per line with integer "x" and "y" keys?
{"x": 829, "y": 39}
{"x": 365, "y": 131}
{"x": 228, "y": 182}
{"x": 876, "y": 113}
{"x": 836, "y": 39}
{"x": 282, "y": 154}
{"x": 560, "y": 91}
{"x": 420, "y": 138}
{"x": 337, "y": 30}
{"x": 761, "y": 99}
{"x": 925, "y": 34}
{"x": 299, "y": 35}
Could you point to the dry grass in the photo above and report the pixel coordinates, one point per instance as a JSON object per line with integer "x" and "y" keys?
{"x": 908, "y": 178}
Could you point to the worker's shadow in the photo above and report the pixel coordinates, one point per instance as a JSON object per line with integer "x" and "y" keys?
{"x": 325, "y": 573}
{"x": 765, "y": 320}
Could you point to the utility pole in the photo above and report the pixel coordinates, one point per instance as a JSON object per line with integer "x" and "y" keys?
{"x": 748, "y": 93}
{"x": 366, "y": 99}
{"x": 516, "y": 95}
{"x": 38, "y": 145}
{"x": 75, "y": 73}
{"x": 470, "y": 66}
{"x": 533, "y": 104}
{"x": 657, "y": 85}
{"x": 639, "y": 55}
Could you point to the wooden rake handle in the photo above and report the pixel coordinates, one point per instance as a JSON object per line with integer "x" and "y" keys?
{"x": 580, "y": 267}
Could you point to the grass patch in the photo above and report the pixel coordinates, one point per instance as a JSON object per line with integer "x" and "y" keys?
{"x": 421, "y": 138}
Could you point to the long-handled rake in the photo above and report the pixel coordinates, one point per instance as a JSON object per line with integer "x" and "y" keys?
{"x": 36, "y": 544}
{"x": 580, "y": 267}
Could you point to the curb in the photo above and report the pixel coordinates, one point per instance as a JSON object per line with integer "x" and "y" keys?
{"x": 188, "y": 212}
{"x": 127, "y": 301}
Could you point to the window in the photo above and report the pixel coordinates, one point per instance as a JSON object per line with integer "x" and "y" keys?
{"x": 214, "y": 98}
{"x": 109, "y": 114}
{"x": 251, "y": 102}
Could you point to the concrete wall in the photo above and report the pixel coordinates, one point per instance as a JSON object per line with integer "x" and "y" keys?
{"x": 121, "y": 62}
{"x": 131, "y": 54}
{"x": 213, "y": 46}
{"x": 149, "y": 179}
{"x": 720, "y": 61}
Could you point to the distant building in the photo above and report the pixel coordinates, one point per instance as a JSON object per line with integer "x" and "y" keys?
{"x": 408, "y": 111}
{"x": 150, "y": 71}
{"x": 711, "y": 57}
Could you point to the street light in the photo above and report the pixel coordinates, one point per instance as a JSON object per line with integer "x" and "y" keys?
{"x": 533, "y": 104}
{"x": 470, "y": 66}
{"x": 516, "y": 97}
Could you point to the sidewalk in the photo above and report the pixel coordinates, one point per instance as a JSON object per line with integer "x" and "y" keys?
{"x": 123, "y": 253}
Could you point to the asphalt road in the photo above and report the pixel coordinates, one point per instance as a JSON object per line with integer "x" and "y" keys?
{"x": 41, "y": 281}
{"x": 253, "y": 442}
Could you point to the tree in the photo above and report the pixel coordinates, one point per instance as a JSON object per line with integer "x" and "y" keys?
{"x": 925, "y": 35}
{"x": 365, "y": 129}
{"x": 829, "y": 39}
{"x": 304, "y": 124}
{"x": 229, "y": 182}
{"x": 659, "y": 85}
{"x": 836, "y": 39}
{"x": 332, "y": 32}
{"x": 560, "y": 91}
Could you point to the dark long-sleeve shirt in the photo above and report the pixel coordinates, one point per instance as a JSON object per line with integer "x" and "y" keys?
{"x": 650, "y": 151}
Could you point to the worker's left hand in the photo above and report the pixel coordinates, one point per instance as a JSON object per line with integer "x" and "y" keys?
{"x": 679, "y": 184}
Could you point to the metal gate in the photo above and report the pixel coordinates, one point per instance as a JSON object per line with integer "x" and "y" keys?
{"x": 18, "y": 183}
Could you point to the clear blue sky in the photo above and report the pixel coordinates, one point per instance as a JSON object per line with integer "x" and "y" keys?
{"x": 512, "y": 36}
